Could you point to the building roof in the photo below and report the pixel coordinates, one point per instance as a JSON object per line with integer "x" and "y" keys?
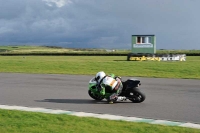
{"x": 144, "y": 35}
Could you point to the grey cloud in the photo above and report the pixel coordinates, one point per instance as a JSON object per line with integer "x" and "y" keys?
{"x": 103, "y": 24}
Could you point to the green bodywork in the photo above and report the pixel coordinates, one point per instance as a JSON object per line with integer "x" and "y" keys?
{"x": 102, "y": 93}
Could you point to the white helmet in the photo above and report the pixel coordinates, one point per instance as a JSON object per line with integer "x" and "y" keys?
{"x": 99, "y": 76}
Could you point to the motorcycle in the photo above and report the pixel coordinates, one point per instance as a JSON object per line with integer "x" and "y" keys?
{"x": 130, "y": 91}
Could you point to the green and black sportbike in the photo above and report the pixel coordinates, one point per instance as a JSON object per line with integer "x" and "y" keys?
{"x": 130, "y": 91}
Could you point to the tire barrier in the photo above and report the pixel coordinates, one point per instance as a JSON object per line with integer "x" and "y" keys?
{"x": 156, "y": 57}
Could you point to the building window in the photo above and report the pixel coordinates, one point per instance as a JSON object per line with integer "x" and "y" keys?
{"x": 138, "y": 39}
{"x": 141, "y": 40}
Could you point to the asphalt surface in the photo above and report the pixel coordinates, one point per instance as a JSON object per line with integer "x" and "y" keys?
{"x": 168, "y": 99}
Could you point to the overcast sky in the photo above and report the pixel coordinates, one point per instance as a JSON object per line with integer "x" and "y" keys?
{"x": 100, "y": 23}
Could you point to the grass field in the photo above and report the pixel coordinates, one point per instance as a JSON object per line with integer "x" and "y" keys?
{"x": 90, "y": 65}
{"x": 47, "y": 49}
{"x": 29, "y": 122}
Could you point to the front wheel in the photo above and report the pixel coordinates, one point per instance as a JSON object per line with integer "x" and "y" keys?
{"x": 95, "y": 97}
{"x": 136, "y": 96}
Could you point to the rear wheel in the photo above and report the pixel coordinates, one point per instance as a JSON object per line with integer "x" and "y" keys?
{"x": 136, "y": 96}
{"x": 95, "y": 97}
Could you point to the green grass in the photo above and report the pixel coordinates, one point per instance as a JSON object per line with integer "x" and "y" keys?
{"x": 30, "y": 122}
{"x": 31, "y": 49}
{"x": 90, "y": 65}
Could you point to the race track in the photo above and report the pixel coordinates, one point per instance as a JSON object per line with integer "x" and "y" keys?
{"x": 168, "y": 99}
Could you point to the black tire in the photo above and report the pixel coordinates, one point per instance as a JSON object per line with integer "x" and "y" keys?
{"x": 95, "y": 97}
{"x": 136, "y": 96}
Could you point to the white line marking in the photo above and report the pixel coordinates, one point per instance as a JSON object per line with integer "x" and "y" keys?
{"x": 102, "y": 116}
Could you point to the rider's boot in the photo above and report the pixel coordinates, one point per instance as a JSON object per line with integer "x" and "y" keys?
{"x": 110, "y": 102}
{"x": 112, "y": 98}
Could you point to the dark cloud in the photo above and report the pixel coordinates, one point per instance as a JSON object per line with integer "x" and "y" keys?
{"x": 100, "y": 24}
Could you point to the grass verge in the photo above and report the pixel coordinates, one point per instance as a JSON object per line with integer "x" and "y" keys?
{"x": 89, "y": 65}
{"x": 29, "y": 122}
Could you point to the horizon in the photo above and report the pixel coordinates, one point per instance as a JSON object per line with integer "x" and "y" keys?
{"x": 54, "y": 46}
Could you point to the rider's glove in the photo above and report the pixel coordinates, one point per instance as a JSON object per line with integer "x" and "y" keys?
{"x": 118, "y": 77}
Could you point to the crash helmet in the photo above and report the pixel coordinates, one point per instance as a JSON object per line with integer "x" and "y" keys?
{"x": 99, "y": 76}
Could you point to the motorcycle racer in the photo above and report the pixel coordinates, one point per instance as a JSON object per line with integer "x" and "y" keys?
{"x": 109, "y": 83}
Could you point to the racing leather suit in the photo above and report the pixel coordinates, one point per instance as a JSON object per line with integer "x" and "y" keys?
{"x": 111, "y": 84}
